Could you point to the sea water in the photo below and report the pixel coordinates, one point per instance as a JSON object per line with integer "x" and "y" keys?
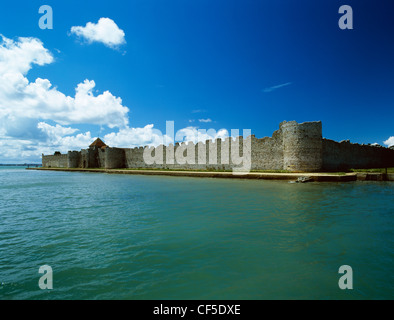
{"x": 109, "y": 236}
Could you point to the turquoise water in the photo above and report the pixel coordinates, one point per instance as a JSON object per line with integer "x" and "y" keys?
{"x": 146, "y": 237}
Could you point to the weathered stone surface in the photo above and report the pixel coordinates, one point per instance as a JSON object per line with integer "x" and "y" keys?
{"x": 296, "y": 147}
{"x": 345, "y": 155}
{"x": 302, "y": 146}
{"x": 55, "y": 161}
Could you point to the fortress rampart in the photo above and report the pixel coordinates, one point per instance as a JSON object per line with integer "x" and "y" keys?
{"x": 297, "y": 147}
{"x": 302, "y": 146}
{"x": 345, "y": 155}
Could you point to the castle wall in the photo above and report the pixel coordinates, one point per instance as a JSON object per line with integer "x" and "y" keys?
{"x": 221, "y": 154}
{"x": 93, "y": 157}
{"x": 302, "y": 146}
{"x": 89, "y": 158}
{"x": 206, "y": 155}
{"x": 294, "y": 147}
{"x": 134, "y": 157}
{"x": 267, "y": 153}
{"x": 114, "y": 158}
{"x": 73, "y": 159}
{"x": 55, "y": 161}
{"x": 84, "y": 162}
{"x": 345, "y": 155}
{"x": 101, "y": 158}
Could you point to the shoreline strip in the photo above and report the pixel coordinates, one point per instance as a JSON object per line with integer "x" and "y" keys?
{"x": 316, "y": 177}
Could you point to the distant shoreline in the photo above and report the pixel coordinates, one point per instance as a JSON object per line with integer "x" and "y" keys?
{"x": 315, "y": 177}
{"x": 20, "y": 165}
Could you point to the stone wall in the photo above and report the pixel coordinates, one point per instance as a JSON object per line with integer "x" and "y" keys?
{"x": 101, "y": 158}
{"x": 340, "y": 156}
{"x": 55, "y": 161}
{"x": 302, "y": 146}
{"x": 214, "y": 155}
{"x": 73, "y": 159}
{"x": 294, "y": 147}
{"x": 114, "y": 158}
{"x": 267, "y": 153}
{"x": 134, "y": 158}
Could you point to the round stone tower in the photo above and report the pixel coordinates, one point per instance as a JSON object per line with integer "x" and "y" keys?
{"x": 302, "y": 146}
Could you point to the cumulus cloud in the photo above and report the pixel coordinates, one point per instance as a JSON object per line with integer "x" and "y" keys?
{"x": 35, "y": 117}
{"x": 55, "y": 132}
{"x": 199, "y": 135}
{"x": 134, "y": 137}
{"x": 389, "y": 142}
{"x": 52, "y": 138}
{"x": 105, "y": 31}
{"x": 18, "y": 56}
{"x": 205, "y": 120}
{"x": 21, "y": 99}
{"x": 61, "y": 139}
{"x": 26, "y": 106}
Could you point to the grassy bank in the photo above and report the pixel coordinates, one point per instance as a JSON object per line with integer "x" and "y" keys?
{"x": 377, "y": 170}
{"x": 268, "y": 175}
{"x": 207, "y": 170}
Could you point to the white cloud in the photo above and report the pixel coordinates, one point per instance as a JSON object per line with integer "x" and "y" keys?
{"x": 54, "y": 138}
{"x": 17, "y": 57}
{"x": 54, "y": 132}
{"x": 105, "y": 31}
{"x": 199, "y": 135}
{"x": 36, "y": 117}
{"x": 270, "y": 89}
{"x": 21, "y": 99}
{"x": 60, "y": 138}
{"x": 26, "y": 107}
{"x": 389, "y": 142}
{"x": 205, "y": 120}
{"x": 134, "y": 137}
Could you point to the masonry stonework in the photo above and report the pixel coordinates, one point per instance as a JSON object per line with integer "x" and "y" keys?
{"x": 55, "y": 161}
{"x": 302, "y": 146}
{"x": 296, "y": 147}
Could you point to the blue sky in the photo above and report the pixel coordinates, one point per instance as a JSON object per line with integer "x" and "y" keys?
{"x": 233, "y": 64}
